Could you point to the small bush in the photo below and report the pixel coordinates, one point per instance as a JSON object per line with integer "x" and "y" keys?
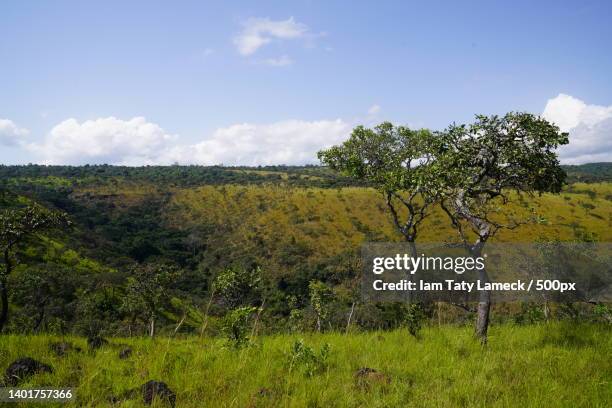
{"x": 603, "y": 312}
{"x": 414, "y": 318}
{"x": 306, "y": 358}
{"x": 235, "y": 325}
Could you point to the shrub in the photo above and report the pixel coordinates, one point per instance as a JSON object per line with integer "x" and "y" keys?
{"x": 603, "y": 312}
{"x": 306, "y": 358}
{"x": 235, "y": 325}
{"x": 238, "y": 285}
{"x": 321, "y": 296}
{"x": 414, "y": 318}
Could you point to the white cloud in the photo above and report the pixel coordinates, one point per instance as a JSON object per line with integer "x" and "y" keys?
{"x": 374, "y": 110}
{"x": 105, "y": 140}
{"x": 258, "y": 32}
{"x": 278, "y": 62}
{"x": 10, "y": 133}
{"x": 589, "y": 127}
{"x": 286, "y": 142}
{"x": 137, "y": 142}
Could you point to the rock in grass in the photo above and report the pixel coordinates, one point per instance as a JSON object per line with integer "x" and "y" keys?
{"x": 156, "y": 389}
{"x": 24, "y": 368}
{"x": 125, "y": 352}
{"x": 367, "y": 376}
{"x": 62, "y": 347}
{"x": 95, "y": 342}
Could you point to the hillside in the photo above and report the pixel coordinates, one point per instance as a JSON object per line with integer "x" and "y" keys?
{"x": 590, "y": 172}
{"x": 297, "y": 224}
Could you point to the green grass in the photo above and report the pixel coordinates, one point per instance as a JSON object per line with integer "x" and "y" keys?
{"x": 548, "y": 365}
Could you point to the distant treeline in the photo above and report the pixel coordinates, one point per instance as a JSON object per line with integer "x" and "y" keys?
{"x": 184, "y": 176}
{"x": 589, "y": 173}
{"x": 187, "y": 176}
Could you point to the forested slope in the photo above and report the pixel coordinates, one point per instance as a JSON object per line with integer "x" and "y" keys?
{"x": 297, "y": 224}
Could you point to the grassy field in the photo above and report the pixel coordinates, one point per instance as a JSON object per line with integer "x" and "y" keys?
{"x": 548, "y": 365}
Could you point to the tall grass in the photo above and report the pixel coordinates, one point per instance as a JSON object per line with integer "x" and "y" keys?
{"x": 548, "y": 365}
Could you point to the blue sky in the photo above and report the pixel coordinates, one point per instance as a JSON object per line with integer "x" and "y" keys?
{"x": 271, "y": 82}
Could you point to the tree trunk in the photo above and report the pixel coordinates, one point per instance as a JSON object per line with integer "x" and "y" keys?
{"x": 484, "y": 301}
{"x": 178, "y": 326}
{"x": 205, "y": 319}
{"x": 409, "y": 276}
{"x": 484, "y": 229}
{"x": 482, "y": 322}
{"x": 152, "y": 329}
{"x": 261, "y": 308}
{"x": 4, "y": 290}
{"x": 348, "y": 322}
{"x": 484, "y": 309}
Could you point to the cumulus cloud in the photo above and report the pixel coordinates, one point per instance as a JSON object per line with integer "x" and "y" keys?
{"x": 258, "y": 32}
{"x": 138, "y": 142}
{"x": 589, "y": 127}
{"x": 10, "y": 133}
{"x": 286, "y": 142}
{"x": 105, "y": 140}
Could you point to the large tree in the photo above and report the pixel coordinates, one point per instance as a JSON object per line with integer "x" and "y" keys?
{"x": 395, "y": 161}
{"x": 483, "y": 166}
{"x": 470, "y": 170}
{"x": 17, "y": 225}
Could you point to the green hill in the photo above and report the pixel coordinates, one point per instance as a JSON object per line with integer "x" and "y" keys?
{"x": 297, "y": 224}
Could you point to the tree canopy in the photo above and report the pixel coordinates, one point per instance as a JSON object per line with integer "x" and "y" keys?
{"x": 396, "y": 161}
{"x": 490, "y": 158}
